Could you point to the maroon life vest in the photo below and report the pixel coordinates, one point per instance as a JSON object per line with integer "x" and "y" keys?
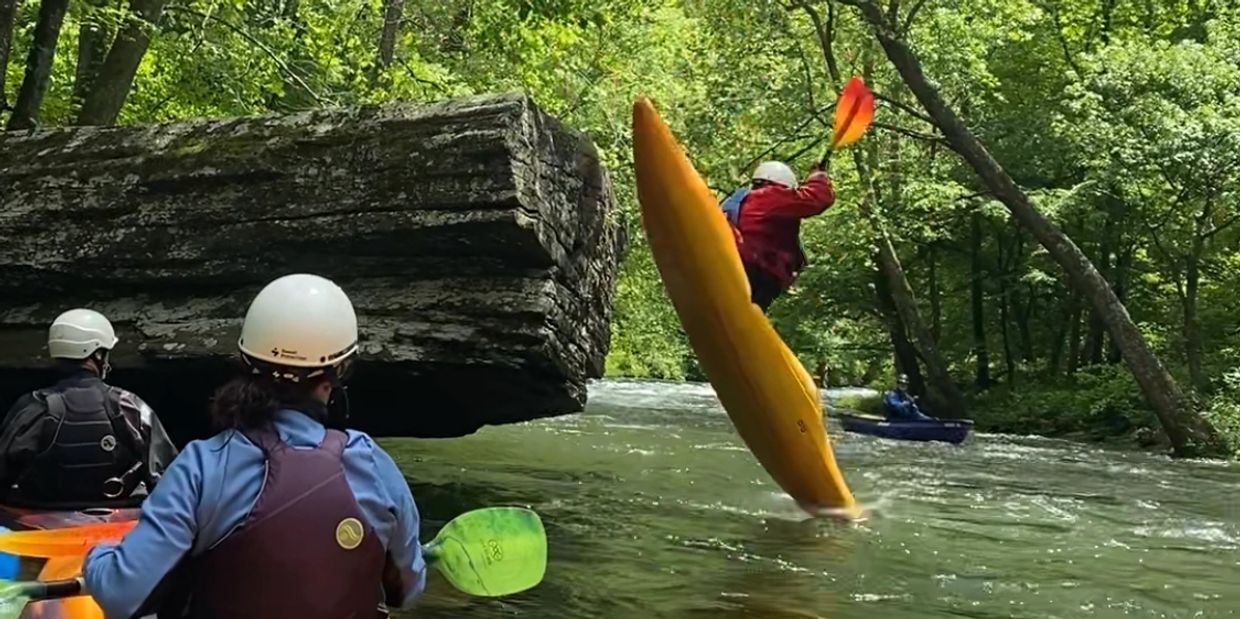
{"x": 304, "y": 551}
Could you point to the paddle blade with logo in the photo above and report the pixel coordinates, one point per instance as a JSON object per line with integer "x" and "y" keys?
{"x": 67, "y": 542}
{"x": 853, "y": 113}
{"x": 491, "y": 552}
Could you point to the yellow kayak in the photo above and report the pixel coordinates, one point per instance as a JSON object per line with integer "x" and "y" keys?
{"x": 767, "y": 393}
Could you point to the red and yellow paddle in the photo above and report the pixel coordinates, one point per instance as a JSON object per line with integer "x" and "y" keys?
{"x": 59, "y": 543}
{"x": 854, "y": 111}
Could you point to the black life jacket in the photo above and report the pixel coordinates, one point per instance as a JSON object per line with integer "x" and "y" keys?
{"x": 89, "y": 455}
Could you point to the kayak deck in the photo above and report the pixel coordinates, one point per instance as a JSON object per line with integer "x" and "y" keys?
{"x": 24, "y": 519}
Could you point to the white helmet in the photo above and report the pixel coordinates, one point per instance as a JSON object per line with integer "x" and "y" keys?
{"x": 776, "y": 172}
{"x": 300, "y": 321}
{"x": 78, "y": 333}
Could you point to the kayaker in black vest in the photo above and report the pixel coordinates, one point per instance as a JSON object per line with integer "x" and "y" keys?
{"x": 81, "y": 442}
{"x": 276, "y": 515}
{"x": 900, "y": 406}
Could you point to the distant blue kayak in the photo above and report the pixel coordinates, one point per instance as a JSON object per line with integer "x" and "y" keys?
{"x": 949, "y": 431}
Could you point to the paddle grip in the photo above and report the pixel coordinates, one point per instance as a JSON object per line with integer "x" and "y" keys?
{"x": 53, "y": 589}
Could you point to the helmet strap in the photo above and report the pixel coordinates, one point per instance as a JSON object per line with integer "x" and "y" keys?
{"x": 102, "y": 364}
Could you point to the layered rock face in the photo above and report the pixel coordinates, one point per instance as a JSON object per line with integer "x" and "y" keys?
{"x": 477, "y": 238}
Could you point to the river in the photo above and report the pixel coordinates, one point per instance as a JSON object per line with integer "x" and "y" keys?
{"x": 654, "y": 508}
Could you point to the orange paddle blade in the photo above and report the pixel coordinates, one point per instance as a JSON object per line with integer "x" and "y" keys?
{"x": 853, "y": 113}
{"x": 68, "y": 542}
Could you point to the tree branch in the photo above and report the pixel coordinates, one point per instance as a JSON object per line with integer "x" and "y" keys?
{"x": 259, "y": 44}
{"x": 912, "y": 14}
{"x": 1053, "y": 9}
{"x": 904, "y": 107}
{"x": 927, "y": 137}
{"x": 1221, "y": 227}
{"x": 826, "y": 35}
{"x": 795, "y": 134}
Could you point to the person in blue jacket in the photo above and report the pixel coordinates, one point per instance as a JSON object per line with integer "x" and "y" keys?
{"x": 900, "y": 406}
{"x": 276, "y": 515}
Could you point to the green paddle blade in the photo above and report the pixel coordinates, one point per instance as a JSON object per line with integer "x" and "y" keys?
{"x": 13, "y": 598}
{"x": 491, "y": 552}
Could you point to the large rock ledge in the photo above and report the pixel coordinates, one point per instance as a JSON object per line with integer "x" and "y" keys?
{"x": 477, "y": 238}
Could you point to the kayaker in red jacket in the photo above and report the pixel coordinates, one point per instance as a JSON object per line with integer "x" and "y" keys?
{"x": 766, "y": 222}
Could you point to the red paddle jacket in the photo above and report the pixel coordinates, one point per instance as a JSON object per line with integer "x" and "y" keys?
{"x": 768, "y": 234}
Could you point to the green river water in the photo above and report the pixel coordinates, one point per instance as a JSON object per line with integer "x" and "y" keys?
{"x": 654, "y": 508}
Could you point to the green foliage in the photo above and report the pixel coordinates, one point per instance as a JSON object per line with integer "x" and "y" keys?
{"x": 863, "y": 404}
{"x": 1224, "y": 411}
{"x": 1099, "y": 402}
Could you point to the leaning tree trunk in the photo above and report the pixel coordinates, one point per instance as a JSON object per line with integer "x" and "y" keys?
{"x": 111, "y": 86}
{"x": 8, "y": 17}
{"x": 38, "y": 65}
{"x": 477, "y": 238}
{"x": 1189, "y": 432}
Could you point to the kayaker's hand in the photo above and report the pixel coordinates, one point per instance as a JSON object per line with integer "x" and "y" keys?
{"x": 817, "y": 166}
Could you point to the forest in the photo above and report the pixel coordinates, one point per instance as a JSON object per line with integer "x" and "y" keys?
{"x": 1040, "y": 227}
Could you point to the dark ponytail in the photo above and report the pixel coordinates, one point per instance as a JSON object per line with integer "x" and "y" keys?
{"x": 245, "y": 402}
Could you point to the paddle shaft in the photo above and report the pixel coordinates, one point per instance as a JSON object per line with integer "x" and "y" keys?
{"x": 39, "y": 590}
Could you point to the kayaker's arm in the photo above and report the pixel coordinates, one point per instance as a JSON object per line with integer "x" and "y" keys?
{"x": 811, "y": 198}
{"x": 160, "y": 451}
{"x": 122, "y": 576}
{"x": 404, "y": 549}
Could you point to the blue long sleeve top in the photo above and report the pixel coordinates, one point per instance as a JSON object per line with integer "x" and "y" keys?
{"x": 900, "y": 406}
{"x": 211, "y": 487}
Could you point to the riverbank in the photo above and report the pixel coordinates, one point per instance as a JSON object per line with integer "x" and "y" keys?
{"x": 1094, "y": 408}
{"x": 1098, "y": 406}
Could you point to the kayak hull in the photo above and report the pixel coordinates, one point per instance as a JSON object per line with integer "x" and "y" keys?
{"x": 953, "y": 431}
{"x": 770, "y": 398}
{"x": 23, "y": 519}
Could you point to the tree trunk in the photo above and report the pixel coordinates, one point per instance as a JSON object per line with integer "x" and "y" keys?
{"x": 945, "y": 395}
{"x": 936, "y": 298}
{"x": 38, "y": 65}
{"x": 1005, "y": 324}
{"x": 1024, "y": 316}
{"x": 393, "y": 13}
{"x": 116, "y": 74}
{"x": 1070, "y": 313}
{"x": 1009, "y": 360}
{"x": 1188, "y": 431}
{"x": 1122, "y": 272}
{"x": 8, "y": 17}
{"x": 979, "y": 315}
{"x": 478, "y": 238}
{"x": 1192, "y": 330}
{"x": 1097, "y": 334}
{"x": 904, "y": 354}
{"x": 1074, "y": 336}
{"x": 93, "y": 36}
{"x": 1021, "y": 308}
